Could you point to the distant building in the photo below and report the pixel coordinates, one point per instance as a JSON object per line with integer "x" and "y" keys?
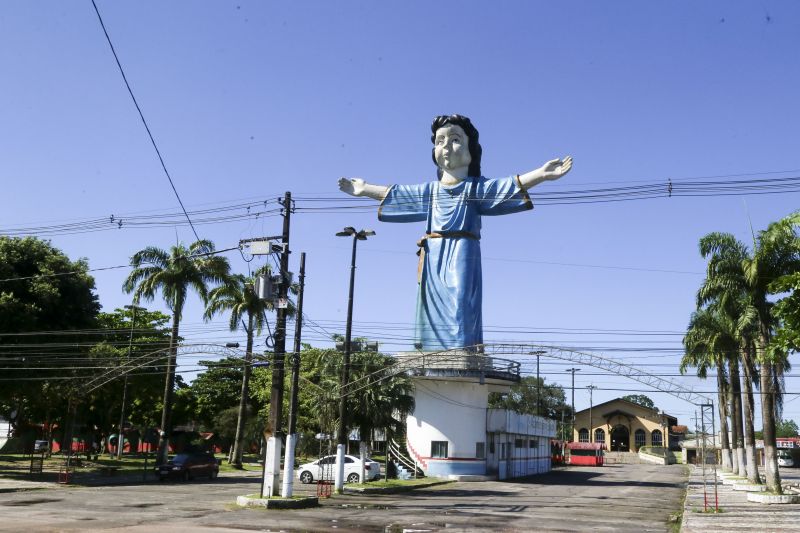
{"x": 625, "y": 426}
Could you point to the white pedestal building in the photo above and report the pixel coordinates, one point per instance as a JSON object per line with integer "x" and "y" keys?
{"x": 452, "y": 432}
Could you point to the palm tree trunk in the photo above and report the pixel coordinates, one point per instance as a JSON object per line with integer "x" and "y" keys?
{"x": 749, "y": 408}
{"x": 169, "y": 386}
{"x": 248, "y": 357}
{"x": 722, "y": 406}
{"x": 768, "y": 416}
{"x": 736, "y": 411}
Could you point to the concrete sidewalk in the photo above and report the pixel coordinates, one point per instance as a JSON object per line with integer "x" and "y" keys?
{"x": 736, "y": 513}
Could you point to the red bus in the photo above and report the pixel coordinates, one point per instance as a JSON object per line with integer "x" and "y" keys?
{"x": 586, "y": 453}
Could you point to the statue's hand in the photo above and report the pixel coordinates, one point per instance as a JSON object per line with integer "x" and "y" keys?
{"x": 556, "y": 168}
{"x": 352, "y": 186}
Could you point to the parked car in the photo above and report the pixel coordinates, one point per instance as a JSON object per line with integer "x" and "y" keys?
{"x": 187, "y": 466}
{"x": 785, "y": 458}
{"x": 325, "y": 468}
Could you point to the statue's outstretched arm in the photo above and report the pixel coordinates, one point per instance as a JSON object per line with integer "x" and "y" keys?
{"x": 550, "y": 171}
{"x": 359, "y": 187}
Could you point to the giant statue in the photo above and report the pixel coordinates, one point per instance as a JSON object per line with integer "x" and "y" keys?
{"x": 449, "y": 271}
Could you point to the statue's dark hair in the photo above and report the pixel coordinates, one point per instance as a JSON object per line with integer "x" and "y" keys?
{"x": 474, "y": 146}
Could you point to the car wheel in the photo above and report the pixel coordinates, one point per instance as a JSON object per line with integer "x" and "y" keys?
{"x": 162, "y": 478}
{"x": 306, "y": 477}
{"x": 213, "y": 474}
{"x": 186, "y": 476}
{"x": 352, "y": 478}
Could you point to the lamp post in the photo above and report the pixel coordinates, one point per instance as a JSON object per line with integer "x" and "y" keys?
{"x": 537, "y": 353}
{"x": 120, "y": 438}
{"x": 573, "y": 370}
{"x": 591, "y": 428}
{"x": 340, "y": 449}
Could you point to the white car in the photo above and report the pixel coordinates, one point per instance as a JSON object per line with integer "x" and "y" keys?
{"x": 325, "y": 469}
{"x": 785, "y": 458}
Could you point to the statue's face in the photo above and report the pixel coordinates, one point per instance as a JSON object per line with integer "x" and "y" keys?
{"x": 451, "y": 148}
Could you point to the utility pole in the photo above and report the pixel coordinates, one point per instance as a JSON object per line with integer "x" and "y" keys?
{"x": 573, "y": 370}
{"x": 361, "y": 235}
{"x": 591, "y": 427}
{"x": 291, "y": 438}
{"x": 120, "y": 438}
{"x": 272, "y": 461}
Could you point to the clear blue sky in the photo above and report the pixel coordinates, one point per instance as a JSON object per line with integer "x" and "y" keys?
{"x": 251, "y": 99}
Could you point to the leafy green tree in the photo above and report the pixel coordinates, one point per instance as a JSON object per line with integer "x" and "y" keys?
{"x": 247, "y": 310}
{"x": 786, "y": 428}
{"x": 787, "y": 311}
{"x": 640, "y": 399}
{"x": 174, "y": 273}
{"x": 146, "y": 338}
{"x": 45, "y": 300}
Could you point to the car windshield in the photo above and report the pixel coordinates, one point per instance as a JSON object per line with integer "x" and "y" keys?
{"x": 181, "y": 458}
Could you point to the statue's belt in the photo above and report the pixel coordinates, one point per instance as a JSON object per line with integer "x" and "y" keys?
{"x": 435, "y": 235}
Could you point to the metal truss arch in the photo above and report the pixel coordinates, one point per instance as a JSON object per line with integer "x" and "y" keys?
{"x": 658, "y": 383}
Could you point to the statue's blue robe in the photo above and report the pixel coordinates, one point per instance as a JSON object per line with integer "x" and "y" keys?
{"x": 449, "y": 294}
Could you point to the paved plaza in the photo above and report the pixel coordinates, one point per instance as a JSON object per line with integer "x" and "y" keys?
{"x": 612, "y": 498}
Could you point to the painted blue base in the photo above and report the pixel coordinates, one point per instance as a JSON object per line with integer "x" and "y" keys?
{"x": 449, "y": 467}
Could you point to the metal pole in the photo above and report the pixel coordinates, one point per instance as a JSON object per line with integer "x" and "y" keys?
{"x": 573, "y": 370}
{"x": 538, "y": 386}
{"x": 714, "y": 436}
{"x": 346, "y": 369}
{"x": 291, "y": 439}
{"x": 591, "y": 428}
{"x": 703, "y": 444}
{"x": 120, "y": 438}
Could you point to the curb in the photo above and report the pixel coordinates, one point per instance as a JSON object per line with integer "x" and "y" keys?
{"x": 395, "y": 490}
{"x": 277, "y": 503}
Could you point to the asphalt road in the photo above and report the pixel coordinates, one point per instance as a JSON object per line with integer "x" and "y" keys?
{"x": 613, "y": 497}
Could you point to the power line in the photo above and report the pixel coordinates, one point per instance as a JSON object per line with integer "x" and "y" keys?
{"x": 141, "y": 115}
{"x": 75, "y": 272}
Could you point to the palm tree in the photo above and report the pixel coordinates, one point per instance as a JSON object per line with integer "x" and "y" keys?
{"x": 381, "y": 398}
{"x": 174, "y": 273}
{"x": 702, "y": 354}
{"x": 776, "y": 253}
{"x": 238, "y": 296}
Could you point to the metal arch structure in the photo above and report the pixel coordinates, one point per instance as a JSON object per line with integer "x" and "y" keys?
{"x": 155, "y": 356}
{"x": 615, "y": 367}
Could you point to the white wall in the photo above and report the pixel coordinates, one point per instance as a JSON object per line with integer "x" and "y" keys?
{"x": 452, "y": 411}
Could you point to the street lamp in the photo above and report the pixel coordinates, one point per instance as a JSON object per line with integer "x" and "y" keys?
{"x": 361, "y": 235}
{"x": 591, "y": 428}
{"x": 120, "y": 438}
{"x": 573, "y": 370}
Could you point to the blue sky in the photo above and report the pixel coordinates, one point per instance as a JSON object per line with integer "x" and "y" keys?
{"x": 247, "y": 100}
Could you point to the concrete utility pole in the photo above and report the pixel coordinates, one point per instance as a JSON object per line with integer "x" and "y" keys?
{"x": 120, "y": 438}
{"x": 272, "y": 463}
{"x": 291, "y": 438}
{"x": 573, "y": 370}
{"x": 343, "y": 430}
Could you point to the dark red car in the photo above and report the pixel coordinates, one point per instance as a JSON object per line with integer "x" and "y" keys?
{"x": 188, "y": 466}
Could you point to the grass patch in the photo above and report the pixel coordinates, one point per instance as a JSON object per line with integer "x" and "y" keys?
{"x": 392, "y": 483}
